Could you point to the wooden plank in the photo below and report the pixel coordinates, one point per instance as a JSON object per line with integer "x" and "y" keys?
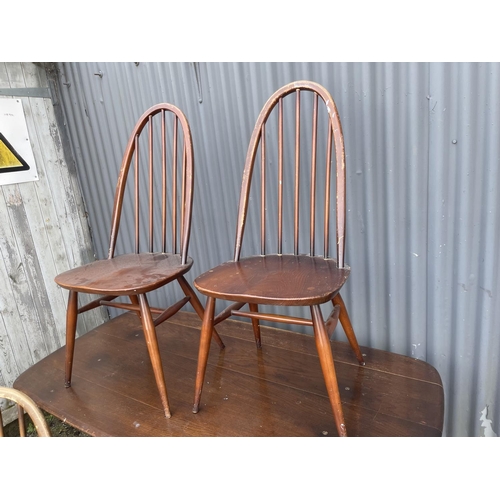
{"x": 10, "y": 370}
{"x": 34, "y": 245}
{"x": 38, "y": 299}
{"x": 56, "y": 217}
{"x": 72, "y": 242}
{"x": 17, "y": 312}
{"x": 247, "y": 392}
{"x": 4, "y": 79}
{"x": 31, "y": 238}
{"x": 19, "y": 315}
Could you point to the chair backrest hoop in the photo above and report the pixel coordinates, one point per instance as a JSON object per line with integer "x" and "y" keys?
{"x": 187, "y": 177}
{"x": 258, "y": 136}
{"x": 25, "y": 402}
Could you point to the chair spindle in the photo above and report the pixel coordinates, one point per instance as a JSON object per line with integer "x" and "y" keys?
{"x": 327, "y": 191}
{"x": 280, "y": 176}
{"x": 151, "y": 226}
{"x": 136, "y": 165}
{"x": 340, "y": 161}
{"x": 313, "y": 172}
{"x": 183, "y": 194}
{"x": 164, "y": 184}
{"x": 174, "y": 189}
{"x": 20, "y": 419}
{"x": 297, "y": 172}
{"x": 263, "y": 190}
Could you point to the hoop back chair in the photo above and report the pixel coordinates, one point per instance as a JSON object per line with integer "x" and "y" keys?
{"x": 279, "y": 279}
{"x": 24, "y": 404}
{"x": 161, "y": 255}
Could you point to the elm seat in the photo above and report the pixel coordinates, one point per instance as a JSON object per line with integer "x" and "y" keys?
{"x": 162, "y": 159}
{"x": 288, "y": 175}
{"x": 265, "y": 279}
{"x": 125, "y": 274}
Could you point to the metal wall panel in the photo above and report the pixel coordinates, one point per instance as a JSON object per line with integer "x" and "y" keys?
{"x": 463, "y": 259}
{"x": 423, "y": 217}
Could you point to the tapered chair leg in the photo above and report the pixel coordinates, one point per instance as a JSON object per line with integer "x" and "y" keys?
{"x": 256, "y": 325}
{"x": 326, "y": 361}
{"x": 195, "y": 302}
{"x": 206, "y": 333}
{"x": 134, "y": 300}
{"x": 154, "y": 351}
{"x": 71, "y": 320}
{"x": 345, "y": 321}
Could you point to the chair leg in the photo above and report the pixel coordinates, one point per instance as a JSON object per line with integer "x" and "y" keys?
{"x": 348, "y": 329}
{"x": 256, "y": 325}
{"x": 71, "y": 320}
{"x": 326, "y": 360}
{"x": 20, "y": 420}
{"x": 154, "y": 351}
{"x": 134, "y": 300}
{"x": 195, "y": 302}
{"x": 206, "y": 330}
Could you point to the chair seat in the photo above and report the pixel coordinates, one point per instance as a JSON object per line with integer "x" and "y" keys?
{"x": 275, "y": 279}
{"x": 125, "y": 274}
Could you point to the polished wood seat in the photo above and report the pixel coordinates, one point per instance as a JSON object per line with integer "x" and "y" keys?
{"x": 126, "y": 274}
{"x": 281, "y": 277}
{"x": 266, "y": 280}
{"x": 163, "y": 161}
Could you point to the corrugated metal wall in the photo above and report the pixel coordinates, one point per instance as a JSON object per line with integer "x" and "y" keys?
{"x": 423, "y": 222}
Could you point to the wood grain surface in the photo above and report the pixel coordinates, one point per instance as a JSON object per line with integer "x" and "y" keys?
{"x": 276, "y": 391}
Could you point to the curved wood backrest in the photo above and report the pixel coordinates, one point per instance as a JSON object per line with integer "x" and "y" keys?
{"x": 24, "y": 402}
{"x": 258, "y": 138}
{"x": 181, "y": 155}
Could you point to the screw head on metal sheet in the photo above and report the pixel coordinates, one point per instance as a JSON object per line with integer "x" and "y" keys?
{"x": 454, "y": 141}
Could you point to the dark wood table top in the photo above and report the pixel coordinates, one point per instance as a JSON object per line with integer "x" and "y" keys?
{"x": 276, "y": 391}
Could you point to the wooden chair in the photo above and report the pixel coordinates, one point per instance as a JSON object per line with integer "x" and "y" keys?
{"x": 25, "y": 404}
{"x": 133, "y": 275}
{"x": 280, "y": 279}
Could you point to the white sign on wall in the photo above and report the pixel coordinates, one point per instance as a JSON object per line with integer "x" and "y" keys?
{"x": 17, "y": 162}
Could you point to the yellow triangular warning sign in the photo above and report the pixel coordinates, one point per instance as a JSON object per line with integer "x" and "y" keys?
{"x": 10, "y": 160}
